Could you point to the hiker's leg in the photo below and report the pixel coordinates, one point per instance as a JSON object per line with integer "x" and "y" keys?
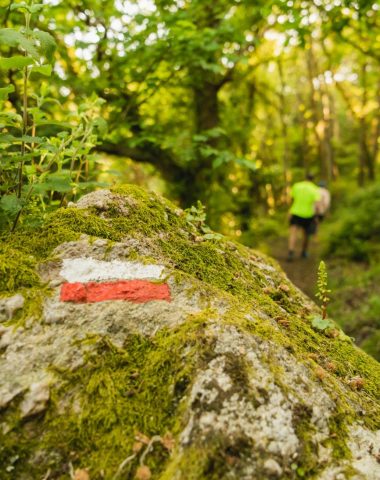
{"x": 292, "y": 241}
{"x": 292, "y": 237}
{"x": 305, "y": 242}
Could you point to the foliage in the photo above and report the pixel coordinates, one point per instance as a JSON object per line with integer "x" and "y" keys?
{"x": 227, "y": 101}
{"x": 355, "y": 304}
{"x": 37, "y": 171}
{"x": 354, "y": 234}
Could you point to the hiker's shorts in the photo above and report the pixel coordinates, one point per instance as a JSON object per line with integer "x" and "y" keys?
{"x": 308, "y": 224}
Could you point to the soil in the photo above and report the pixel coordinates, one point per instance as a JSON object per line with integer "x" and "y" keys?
{"x": 301, "y": 271}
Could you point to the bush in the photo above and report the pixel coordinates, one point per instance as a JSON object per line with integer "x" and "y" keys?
{"x": 356, "y": 233}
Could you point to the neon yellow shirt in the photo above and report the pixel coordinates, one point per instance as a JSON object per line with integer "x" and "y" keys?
{"x": 304, "y": 195}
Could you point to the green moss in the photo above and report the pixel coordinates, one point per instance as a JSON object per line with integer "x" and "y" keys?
{"x": 338, "y": 435}
{"x": 216, "y": 460}
{"x": 119, "y": 392}
{"x": 17, "y": 270}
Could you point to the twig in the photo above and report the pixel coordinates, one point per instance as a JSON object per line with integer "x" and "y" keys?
{"x": 47, "y": 475}
{"x": 122, "y": 465}
{"x": 156, "y": 438}
{"x": 71, "y": 471}
{"x": 21, "y": 209}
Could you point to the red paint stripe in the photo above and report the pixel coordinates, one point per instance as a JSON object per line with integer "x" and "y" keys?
{"x": 136, "y": 291}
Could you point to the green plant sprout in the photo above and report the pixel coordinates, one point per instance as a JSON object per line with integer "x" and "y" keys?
{"x": 196, "y": 216}
{"x": 321, "y": 322}
{"x": 322, "y": 290}
{"x": 318, "y": 322}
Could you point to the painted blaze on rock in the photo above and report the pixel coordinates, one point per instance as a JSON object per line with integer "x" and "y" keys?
{"x": 127, "y": 281}
{"x": 137, "y": 291}
{"x": 224, "y": 381}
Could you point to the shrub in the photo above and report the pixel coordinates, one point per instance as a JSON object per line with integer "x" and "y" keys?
{"x": 355, "y": 235}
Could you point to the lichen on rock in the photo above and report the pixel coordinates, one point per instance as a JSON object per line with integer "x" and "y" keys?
{"x": 226, "y": 379}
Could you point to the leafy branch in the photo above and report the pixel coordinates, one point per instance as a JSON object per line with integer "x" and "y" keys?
{"x": 33, "y": 168}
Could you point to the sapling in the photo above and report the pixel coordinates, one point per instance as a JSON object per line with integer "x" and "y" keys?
{"x": 322, "y": 290}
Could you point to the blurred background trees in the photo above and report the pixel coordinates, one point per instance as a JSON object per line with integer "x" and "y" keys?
{"x": 226, "y": 102}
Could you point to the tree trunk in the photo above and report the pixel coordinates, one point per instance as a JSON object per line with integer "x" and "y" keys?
{"x": 206, "y": 117}
{"x": 284, "y": 131}
{"x": 320, "y": 121}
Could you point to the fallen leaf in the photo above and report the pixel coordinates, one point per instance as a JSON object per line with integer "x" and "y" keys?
{"x": 81, "y": 474}
{"x": 268, "y": 290}
{"x": 143, "y": 473}
{"x": 137, "y": 446}
{"x": 231, "y": 460}
{"x": 283, "y": 321}
{"x": 356, "y": 383}
{"x": 320, "y": 373}
{"x": 168, "y": 441}
{"x": 140, "y": 437}
{"x": 314, "y": 356}
{"x": 284, "y": 288}
{"x": 332, "y": 332}
{"x": 331, "y": 366}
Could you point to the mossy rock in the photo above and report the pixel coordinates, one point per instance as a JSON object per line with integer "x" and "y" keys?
{"x": 226, "y": 379}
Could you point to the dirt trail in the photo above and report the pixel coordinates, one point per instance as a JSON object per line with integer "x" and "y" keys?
{"x": 301, "y": 271}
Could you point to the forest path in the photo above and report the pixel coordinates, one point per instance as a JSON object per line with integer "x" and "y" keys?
{"x": 301, "y": 271}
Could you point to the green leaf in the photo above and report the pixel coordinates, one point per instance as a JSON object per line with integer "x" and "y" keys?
{"x": 345, "y": 338}
{"x": 219, "y": 161}
{"x": 246, "y": 163}
{"x": 10, "y": 118}
{"x": 319, "y": 323}
{"x": 6, "y": 138}
{"x": 19, "y": 6}
{"x": 43, "y": 70}
{"x": 28, "y": 8}
{"x": 200, "y": 138}
{"x": 5, "y": 91}
{"x": 213, "y": 236}
{"x": 15, "y": 62}
{"x": 58, "y": 182}
{"x": 17, "y": 158}
{"x": 36, "y": 8}
{"x": 10, "y": 204}
{"x": 55, "y": 122}
{"x": 13, "y": 38}
{"x": 101, "y": 125}
{"x": 87, "y": 185}
{"x": 47, "y": 45}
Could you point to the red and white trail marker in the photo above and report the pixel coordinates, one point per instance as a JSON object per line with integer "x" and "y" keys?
{"x": 90, "y": 281}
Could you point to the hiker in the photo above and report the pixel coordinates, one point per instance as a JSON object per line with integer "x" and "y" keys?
{"x": 305, "y": 195}
{"x": 323, "y": 204}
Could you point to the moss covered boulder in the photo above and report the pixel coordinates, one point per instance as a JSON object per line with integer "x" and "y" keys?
{"x": 133, "y": 346}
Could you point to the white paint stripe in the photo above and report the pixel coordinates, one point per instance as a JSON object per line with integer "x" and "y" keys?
{"x": 89, "y": 269}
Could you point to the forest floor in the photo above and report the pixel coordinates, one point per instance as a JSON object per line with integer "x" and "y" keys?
{"x": 301, "y": 271}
